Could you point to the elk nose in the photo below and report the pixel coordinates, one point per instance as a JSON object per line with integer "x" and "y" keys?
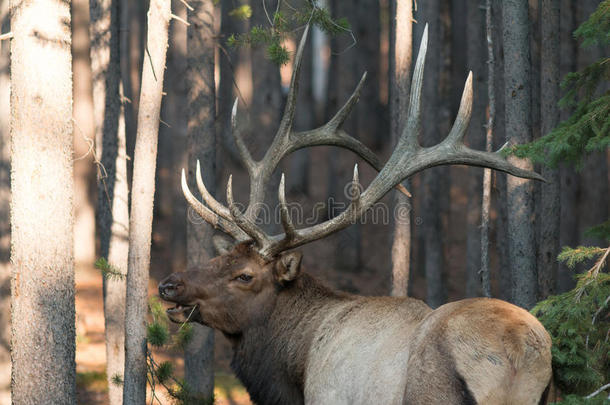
{"x": 170, "y": 288}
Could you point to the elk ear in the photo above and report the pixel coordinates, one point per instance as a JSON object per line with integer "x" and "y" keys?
{"x": 222, "y": 245}
{"x": 288, "y": 266}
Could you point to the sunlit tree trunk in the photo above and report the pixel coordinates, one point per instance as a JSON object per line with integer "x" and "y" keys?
{"x": 112, "y": 206}
{"x": 5, "y": 198}
{"x": 143, "y": 190}
{"x": 199, "y": 353}
{"x": 549, "y": 193}
{"x": 520, "y": 192}
{"x": 401, "y": 56}
{"x": 42, "y": 218}
{"x": 84, "y": 168}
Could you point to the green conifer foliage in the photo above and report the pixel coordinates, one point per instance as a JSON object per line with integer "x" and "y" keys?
{"x": 282, "y": 22}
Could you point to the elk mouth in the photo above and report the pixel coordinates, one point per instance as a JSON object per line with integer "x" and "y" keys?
{"x": 183, "y": 313}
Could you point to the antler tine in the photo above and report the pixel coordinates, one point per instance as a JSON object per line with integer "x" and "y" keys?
{"x": 242, "y": 149}
{"x": 411, "y": 130}
{"x": 355, "y": 198}
{"x": 293, "y": 90}
{"x": 341, "y": 115}
{"x": 289, "y": 228}
{"x": 211, "y": 202}
{"x": 463, "y": 117}
{"x": 209, "y": 216}
{"x": 244, "y": 223}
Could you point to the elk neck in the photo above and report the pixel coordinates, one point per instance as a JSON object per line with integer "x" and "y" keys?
{"x": 270, "y": 358}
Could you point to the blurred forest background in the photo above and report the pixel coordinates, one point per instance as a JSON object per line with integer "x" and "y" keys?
{"x": 445, "y": 221}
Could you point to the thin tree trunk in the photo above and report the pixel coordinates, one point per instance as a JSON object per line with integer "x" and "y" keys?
{"x": 484, "y": 271}
{"x": 520, "y": 192}
{"x": 570, "y": 184}
{"x": 550, "y": 193}
{"x": 112, "y": 207}
{"x": 498, "y": 178}
{"x": 176, "y": 136}
{"x": 199, "y": 353}
{"x": 82, "y": 113}
{"x": 475, "y": 49}
{"x": 143, "y": 190}
{"x": 5, "y": 200}
{"x": 401, "y": 56}
{"x": 42, "y": 213}
{"x": 431, "y": 189}
{"x": 342, "y": 81}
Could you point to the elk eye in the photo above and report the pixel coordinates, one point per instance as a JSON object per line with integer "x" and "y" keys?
{"x": 246, "y": 278}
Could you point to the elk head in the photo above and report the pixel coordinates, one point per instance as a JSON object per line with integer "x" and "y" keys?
{"x": 238, "y": 287}
{"x": 233, "y": 291}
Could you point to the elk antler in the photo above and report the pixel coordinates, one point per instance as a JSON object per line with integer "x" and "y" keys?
{"x": 408, "y": 158}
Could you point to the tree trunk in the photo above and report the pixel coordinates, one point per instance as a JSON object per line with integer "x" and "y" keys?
{"x": 42, "y": 220}
{"x": 112, "y": 207}
{"x": 343, "y": 78}
{"x": 498, "y": 178}
{"x": 520, "y": 192}
{"x": 401, "y": 56}
{"x": 475, "y": 49}
{"x": 430, "y": 190}
{"x": 485, "y": 271}
{"x": 176, "y": 108}
{"x": 570, "y": 184}
{"x": 549, "y": 192}
{"x": 199, "y": 353}
{"x": 82, "y": 113}
{"x": 143, "y": 190}
{"x": 5, "y": 200}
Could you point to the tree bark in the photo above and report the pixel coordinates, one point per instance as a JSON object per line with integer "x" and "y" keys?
{"x": 199, "y": 353}
{"x": 475, "y": 49}
{"x": 485, "y": 271}
{"x": 549, "y": 192}
{"x": 343, "y": 78}
{"x": 520, "y": 192}
{"x": 570, "y": 184}
{"x": 176, "y": 109}
{"x": 42, "y": 217}
{"x": 112, "y": 206}
{"x": 498, "y": 178}
{"x": 401, "y": 56}
{"x": 431, "y": 190}
{"x": 5, "y": 200}
{"x": 82, "y": 113}
{"x": 143, "y": 190}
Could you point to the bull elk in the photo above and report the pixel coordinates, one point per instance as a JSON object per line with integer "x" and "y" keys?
{"x": 297, "y": 341}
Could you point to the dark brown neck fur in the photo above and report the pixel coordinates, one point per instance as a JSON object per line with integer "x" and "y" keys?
{"x": 270, "y": 358}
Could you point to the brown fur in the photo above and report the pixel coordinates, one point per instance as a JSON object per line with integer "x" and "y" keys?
{"x": 296, "y": 341}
